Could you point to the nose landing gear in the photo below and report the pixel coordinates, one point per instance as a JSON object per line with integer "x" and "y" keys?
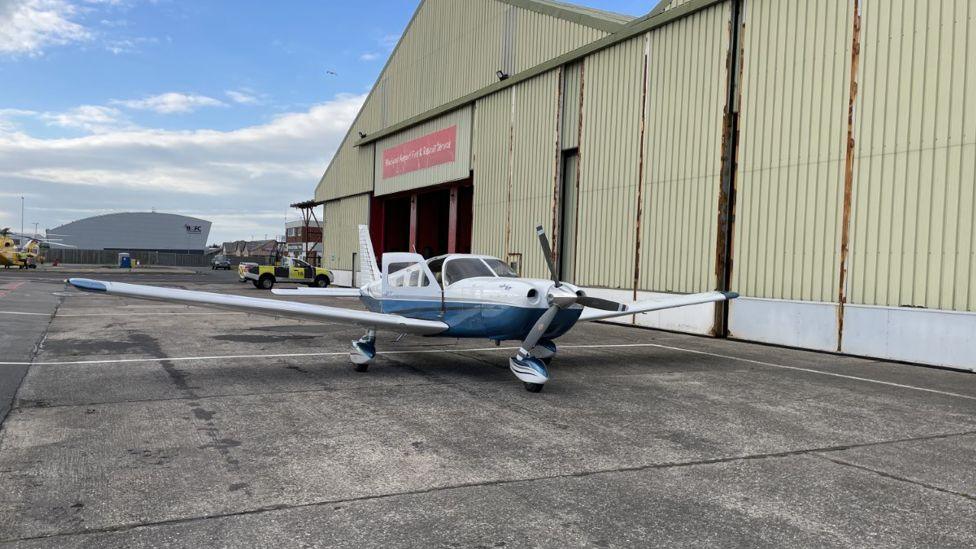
{"x": 363, "y": 351}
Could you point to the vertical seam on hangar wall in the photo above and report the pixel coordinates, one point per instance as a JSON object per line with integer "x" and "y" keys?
{"x": 557, "y": 173}
{"x": 511, "y": 168}
{"x": 730, "y": 153}
{"x": 640, "y": 171}
{"x": 848, "y": 175}
{"x": 579, "y": 164}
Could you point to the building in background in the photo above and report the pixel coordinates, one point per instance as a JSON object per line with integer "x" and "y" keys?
{"x": 304, "y": 240}
{"x": 136, "y": 232}
{"x": 817, "y": 164}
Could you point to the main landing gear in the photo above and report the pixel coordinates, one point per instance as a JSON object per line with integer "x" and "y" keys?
{"x": 530, "y": 367}
{"x": 363, "y": 350}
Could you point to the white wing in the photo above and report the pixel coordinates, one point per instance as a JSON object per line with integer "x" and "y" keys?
{"x": 649, "y": 305}
{"x": 318, "y": 292}
{"x": 271, "y": 307}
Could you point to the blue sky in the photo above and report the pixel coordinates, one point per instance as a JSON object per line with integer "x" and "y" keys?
{"x": 229, "y": 110}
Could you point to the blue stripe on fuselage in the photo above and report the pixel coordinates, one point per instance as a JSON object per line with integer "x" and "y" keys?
{"x": 478, "y": 320}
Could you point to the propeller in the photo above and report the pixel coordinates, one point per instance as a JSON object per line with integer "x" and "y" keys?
{"x": 559, "y": 297}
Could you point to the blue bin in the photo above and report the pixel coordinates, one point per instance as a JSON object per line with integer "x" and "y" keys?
{"x": 125, "y": 262}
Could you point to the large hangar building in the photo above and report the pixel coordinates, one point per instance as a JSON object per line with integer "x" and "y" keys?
{"x": 136, "y": 232}
{"x": 819, "y": 158}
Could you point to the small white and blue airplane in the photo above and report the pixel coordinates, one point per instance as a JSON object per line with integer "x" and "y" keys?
{"x": 454, "y": 295}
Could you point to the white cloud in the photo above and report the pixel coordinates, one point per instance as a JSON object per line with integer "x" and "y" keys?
{"x": 369, "y": 56}
{"x": 90, "y": 118}
{"x": 8, "y": 117}
{"x": 243, "y": 97}
{"x": 389, "y": 41}
{"x": 29, "y": 26}
{"x": 171, "y": 103}
{"x": 220, "y": 175}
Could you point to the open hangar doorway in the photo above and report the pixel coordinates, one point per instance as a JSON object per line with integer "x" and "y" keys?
{"x": 430, "y": 221}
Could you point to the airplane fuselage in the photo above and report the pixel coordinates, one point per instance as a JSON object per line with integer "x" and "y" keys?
{"x": 497, "y": 308}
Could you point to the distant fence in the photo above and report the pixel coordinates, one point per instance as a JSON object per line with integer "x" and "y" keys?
{"x": 109, "y": 257}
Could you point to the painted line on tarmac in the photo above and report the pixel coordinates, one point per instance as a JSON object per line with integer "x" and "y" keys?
{"x": 487, "y": 349}
{"x": 218, "y": 357}
{"x": 158, "y": 313}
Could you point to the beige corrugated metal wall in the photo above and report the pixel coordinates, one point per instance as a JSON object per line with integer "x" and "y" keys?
{"x": 609, "y": 164}
{"x": 541, "y": 37}
{"x": 915, "y": 163}
{"x": 570, "y": 119}
{"x": 535, "y": 153}
{"x": 340, "y": 226}
{"x": 793, "y": 127}
{"x": 452, "y": 171}
{"x": 351, "y": 172}
{"x": 687, "y": 83}
{"x": 458, "y": 46}
{"x": 492, "y": 171}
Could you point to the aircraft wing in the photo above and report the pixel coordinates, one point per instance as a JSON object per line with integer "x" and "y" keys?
{"x": 264, "y": 306}
{"x": 649, "y": 305}
{"x": 319, "y": 292}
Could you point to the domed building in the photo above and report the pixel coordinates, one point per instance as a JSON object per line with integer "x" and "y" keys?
{"x": 135, "y": 232}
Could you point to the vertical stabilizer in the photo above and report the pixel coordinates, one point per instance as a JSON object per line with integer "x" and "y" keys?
{"x": 369, "y": 271}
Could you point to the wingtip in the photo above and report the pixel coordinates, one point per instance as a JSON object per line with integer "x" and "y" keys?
{"x": 87, "y": 285}
{"x": 730, "y": 295}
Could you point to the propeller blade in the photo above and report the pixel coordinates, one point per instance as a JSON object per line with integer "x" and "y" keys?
{"x": 547, "y": 253}
{"x": 602, "y": 304}
{"x": 540, "y": 328}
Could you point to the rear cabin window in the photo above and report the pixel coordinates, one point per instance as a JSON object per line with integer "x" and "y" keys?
{"x": 407, "y": 275}
{"x": 456, "y": 270}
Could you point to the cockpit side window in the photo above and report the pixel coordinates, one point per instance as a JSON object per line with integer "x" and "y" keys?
{"x": 458, "y": 269}
{"x": 500, "y": 267}
{"x": 435, "y": 265}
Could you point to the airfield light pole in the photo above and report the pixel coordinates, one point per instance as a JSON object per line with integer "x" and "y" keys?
{"x": 36, "y": 234}
{"x": 21, "y": 215}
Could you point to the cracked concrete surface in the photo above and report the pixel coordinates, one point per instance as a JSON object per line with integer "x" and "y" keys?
{"x": 626, "y": 447}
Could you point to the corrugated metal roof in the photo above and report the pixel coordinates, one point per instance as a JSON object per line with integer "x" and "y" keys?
{"x": 572, "y": 12}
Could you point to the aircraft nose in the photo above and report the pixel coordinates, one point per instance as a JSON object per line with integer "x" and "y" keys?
{"x": 561, "y": 296}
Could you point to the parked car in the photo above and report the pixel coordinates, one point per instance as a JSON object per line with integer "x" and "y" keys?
{"x": 220, "y": 262}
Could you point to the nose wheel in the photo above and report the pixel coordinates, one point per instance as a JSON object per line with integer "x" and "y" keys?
{"x": 530, "y": 370}
{"x": 363, "y": 351}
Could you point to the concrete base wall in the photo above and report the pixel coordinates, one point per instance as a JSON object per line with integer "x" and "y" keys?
{"x": 926, "y": 336}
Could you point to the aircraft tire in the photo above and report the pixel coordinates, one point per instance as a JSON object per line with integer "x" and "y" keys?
{"x": 361, "y": 367}
{"x": 533, "y": 387}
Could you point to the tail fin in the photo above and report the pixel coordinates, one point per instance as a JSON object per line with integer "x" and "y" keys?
{"x": 369, "y": 270}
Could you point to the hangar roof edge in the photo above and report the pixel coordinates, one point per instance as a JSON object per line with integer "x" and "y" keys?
{"x": 655, "y": 19}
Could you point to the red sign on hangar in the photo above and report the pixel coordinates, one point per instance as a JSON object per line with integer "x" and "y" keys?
{"x": 421, "y": 153}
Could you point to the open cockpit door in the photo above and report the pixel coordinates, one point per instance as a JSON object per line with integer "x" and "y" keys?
{"x": 407, "y": 276}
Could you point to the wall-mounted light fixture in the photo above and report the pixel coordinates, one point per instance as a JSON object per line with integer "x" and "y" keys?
{"x": 502, "y": 75}
{"x": 362, "y": 135}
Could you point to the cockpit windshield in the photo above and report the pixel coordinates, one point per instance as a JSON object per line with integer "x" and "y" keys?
{"x": 458, "y": 269}
{"x": 500, "y": 267}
